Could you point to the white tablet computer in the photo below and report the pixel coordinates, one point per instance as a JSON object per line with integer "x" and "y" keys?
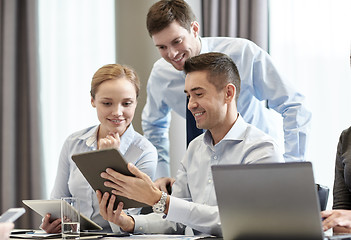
{"x": 92, "y": 163}
{"x": 54, "y": 208}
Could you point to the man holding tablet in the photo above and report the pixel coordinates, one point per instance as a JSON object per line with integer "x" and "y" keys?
{"x": 212, "y": 86}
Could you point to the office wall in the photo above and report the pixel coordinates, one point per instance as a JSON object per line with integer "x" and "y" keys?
{"x": 135, "y": 48}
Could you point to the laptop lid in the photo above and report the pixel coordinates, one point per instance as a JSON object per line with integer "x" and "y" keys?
{"x": 268, "y": 201}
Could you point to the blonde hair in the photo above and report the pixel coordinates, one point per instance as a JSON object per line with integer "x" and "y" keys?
{"x": 112, "y": 72}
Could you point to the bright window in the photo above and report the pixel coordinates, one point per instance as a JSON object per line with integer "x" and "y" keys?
{"x": 76, "y": 38}
{"x": 310, "y": 43}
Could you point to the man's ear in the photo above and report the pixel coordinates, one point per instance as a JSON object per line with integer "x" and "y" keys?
{"x": 195, "y": 27}
{"x": 92, "y": 102}
{"x": 230, "y": 92}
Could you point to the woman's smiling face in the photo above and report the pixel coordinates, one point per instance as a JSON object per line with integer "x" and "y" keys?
{"x": 115, "y": 102}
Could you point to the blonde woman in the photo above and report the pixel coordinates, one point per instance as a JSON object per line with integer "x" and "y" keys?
{"x": 114, "y": 92}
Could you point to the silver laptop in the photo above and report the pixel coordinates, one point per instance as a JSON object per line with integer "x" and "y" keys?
{"x": 268, "y": 201}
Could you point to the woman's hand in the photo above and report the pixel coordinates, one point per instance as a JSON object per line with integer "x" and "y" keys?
{"x": 117, "y": 216}
{"x": 339, "y": 220}
{"x": 112, "y": 140}
{"x": 51, "y": 227}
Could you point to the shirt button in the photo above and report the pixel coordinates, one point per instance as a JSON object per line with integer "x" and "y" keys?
{"x": 215, "y": 157}
{"x": 140, "y": 228}
{"x": 209, "y": 180}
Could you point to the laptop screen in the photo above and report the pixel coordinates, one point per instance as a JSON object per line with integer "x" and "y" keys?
{"x": 268, "y": 201}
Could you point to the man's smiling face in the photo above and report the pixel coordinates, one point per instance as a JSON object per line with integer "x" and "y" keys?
{"x": 206, "y": 103}
{"x": 176, "y": 44}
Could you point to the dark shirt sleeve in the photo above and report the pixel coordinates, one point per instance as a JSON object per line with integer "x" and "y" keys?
{"x": 342, "y": 181}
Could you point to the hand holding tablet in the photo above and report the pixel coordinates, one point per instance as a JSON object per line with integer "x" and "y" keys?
{"x": 53, "y": 207}
{"x": 93, "y": 163}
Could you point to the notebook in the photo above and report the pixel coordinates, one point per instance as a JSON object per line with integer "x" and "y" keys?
{"x": 268, "y": 201}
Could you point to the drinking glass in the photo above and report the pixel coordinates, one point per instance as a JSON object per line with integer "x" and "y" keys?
{"x": 70, "y": 217}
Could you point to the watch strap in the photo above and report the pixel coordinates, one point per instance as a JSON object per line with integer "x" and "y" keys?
{"x": 160, "y": 206}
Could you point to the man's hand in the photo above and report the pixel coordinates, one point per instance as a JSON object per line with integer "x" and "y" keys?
{"x": 112, "y": 140}
{"x": 51, "y": 227}
{"x": 339, "y": 220}
{"x": 117, "y": 216}
{"x": 165, "y": 184}
{"x": 139, "y": 188}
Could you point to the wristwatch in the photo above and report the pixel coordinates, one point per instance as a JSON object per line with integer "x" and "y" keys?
{"x": 160, "y": 206}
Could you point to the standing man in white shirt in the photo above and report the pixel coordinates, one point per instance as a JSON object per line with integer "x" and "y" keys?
{"x": 175, "y": 32}
{"x": 212, "y": 86}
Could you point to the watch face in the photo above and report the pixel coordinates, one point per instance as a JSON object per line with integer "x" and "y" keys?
{"x": 158, "y": 208}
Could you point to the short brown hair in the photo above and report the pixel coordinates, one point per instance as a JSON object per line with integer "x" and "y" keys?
{"x": 112, "y": 72}
{"x": 222, "y": 70}
{"x": 164, "y": 12}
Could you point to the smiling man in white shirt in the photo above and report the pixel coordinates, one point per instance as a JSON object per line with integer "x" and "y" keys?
{"x": 212, "y": 86}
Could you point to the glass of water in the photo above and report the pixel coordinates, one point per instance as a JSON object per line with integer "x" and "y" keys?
{"x": 70, "y": 217}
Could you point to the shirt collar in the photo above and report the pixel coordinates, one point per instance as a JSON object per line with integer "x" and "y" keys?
{"x": 90, "y": 137}
{"x": 127, "y": 139}
{"x": 204, "y": 47}
{"x": 236, "y": 133}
